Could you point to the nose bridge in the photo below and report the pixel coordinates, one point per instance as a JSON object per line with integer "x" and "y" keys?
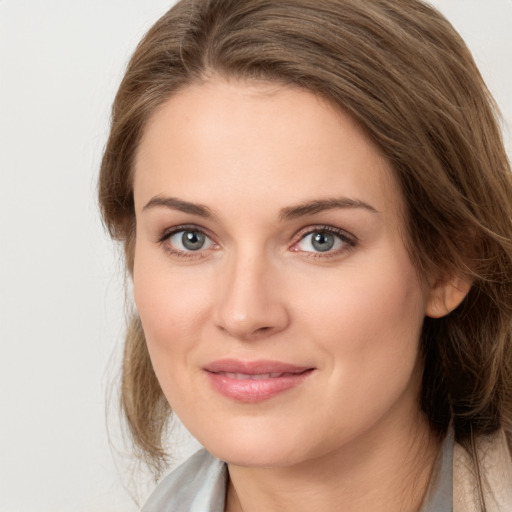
{"x": 249, "y": 303}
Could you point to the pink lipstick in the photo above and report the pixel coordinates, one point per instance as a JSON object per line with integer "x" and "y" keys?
{"x": 254, "y": 381}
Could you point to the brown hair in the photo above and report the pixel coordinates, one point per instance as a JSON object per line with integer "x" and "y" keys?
{"x": 401, "y": 70}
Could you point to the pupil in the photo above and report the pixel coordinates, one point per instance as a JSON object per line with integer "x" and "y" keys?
{"x": 323, "y": 241}
{"x": 192, "y": 240}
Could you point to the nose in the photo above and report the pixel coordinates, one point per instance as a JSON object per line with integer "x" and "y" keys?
{"x": 251, "y": 304}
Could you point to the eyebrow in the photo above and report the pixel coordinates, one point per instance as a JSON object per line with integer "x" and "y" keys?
{"x": 177, "y": 204}
{"x": 320, "y": 205}
{"x": 290, "y": 212}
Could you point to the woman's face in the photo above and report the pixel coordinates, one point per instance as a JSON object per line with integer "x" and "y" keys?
{"x": 281, "y": 310}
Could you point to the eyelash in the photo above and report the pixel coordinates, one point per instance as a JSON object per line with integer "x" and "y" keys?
{"x": 348, "y": 241}
{"x": 168, "y": 233}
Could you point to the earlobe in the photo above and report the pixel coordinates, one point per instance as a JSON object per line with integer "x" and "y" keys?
{"x": 446, "y": 295}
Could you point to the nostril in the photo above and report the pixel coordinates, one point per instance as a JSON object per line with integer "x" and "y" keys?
{"x": 246, "y": 333}
{"x": 263, "y": 329}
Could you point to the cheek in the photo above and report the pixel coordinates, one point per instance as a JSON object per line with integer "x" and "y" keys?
{"x": 171, "y": 311}
{"x": 171, "y": 304}
{"x": 367, "y": 324}
{"x": 371, "y": 312}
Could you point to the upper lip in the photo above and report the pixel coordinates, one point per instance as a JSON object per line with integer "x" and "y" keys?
{"x": 253, "y": 367}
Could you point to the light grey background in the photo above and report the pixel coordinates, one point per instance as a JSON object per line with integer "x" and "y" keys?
{"x": 61, "y": 291}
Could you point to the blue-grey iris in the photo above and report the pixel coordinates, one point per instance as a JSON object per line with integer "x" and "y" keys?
{"x": 193, "y": 240}
{"x": 322, "y": 241}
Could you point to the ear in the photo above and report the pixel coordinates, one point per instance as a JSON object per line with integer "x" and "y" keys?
{"x": 446, "y": 295}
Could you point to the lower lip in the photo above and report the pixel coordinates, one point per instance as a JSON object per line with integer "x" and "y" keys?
{"x": 255, "y": 390}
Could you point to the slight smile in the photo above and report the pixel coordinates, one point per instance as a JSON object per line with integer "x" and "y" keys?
{"x": 254, "y": 381}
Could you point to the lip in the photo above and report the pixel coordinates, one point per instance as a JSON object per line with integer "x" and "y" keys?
{"x": 254, "y": 381}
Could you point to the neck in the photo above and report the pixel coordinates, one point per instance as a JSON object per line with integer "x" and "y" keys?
{"x": 381, "y": 471}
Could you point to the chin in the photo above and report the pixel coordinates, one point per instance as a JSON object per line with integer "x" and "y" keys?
{"x": 256, "y": 444}
{"x": 242, "y": 454}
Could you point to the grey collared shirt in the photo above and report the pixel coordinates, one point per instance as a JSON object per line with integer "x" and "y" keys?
{"x": 199, "y": 485}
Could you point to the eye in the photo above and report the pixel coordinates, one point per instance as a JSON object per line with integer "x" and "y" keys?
{"x": 324, "y": 240}
{"x": 187, "y": 240}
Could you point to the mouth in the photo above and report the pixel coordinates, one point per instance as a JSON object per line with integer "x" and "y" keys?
{"x": 254, "y": 381}
{"x": 257, "y": 376}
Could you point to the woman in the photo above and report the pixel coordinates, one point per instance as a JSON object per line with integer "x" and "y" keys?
{"x": 314, "y": 202}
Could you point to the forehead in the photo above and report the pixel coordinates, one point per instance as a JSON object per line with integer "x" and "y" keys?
{"x": 262, "y": 141}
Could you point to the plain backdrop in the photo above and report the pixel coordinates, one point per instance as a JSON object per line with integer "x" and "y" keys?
{"x": 61, "y": 280}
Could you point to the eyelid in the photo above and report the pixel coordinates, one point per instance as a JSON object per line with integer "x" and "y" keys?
{"x": 169, "y": 232}
{"x": 349, "y": 240}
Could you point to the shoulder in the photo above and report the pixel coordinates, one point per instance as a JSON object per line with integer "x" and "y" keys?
{"x": 496, "y": 471}
{"x": 198, "y": 485}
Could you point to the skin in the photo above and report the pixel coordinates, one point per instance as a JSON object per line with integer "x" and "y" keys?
{"x": 249, "y": 154}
